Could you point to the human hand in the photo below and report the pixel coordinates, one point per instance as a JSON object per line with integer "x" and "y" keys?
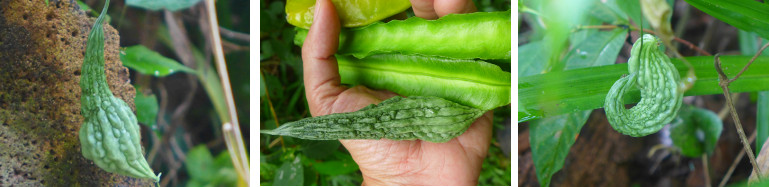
{"x": 388, "y": 162}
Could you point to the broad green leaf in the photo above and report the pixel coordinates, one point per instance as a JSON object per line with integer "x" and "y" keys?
{"x": 581, "y": 89}
{"x": 601, "y": 13}
{"x": 561, "y": 17}
{"x": 747, "y": 15}
{"x": 696, "y": 131}
{"x": 531, "y": 59}
{"x": 291, "y": 173}
{"x": 551, "y": 138}
{"x": 601, "y": 49}
{"x": 172, "y": 5}
{"x": 632, "y": 9}
{"x": 200, "y": 163}
{"x": 147, "y": 110}
{"x": 556, "y": 134}
{"x": 149, "y": 62}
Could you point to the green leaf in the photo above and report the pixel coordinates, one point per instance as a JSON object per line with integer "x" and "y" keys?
{"x": 147, "y": 109}
{"x": 748, "y": 15}
{"x": 561, "y": 17}
{"x": 762, "y": 120}
{"x": 172, "y": 5}
{"x": 632, "y": 9}
{"x": 581, "y": 89}
{"x": 335, "y": 167}
{"x": 149, "y": 62}
{"x": 200, "y": 163}
{"x": 551, "y": 138}
{"x": 531, "y": 59}
{"x": 696, "y": 131}
{"x": 601, "y": 49}
{"x": 290, "y": 174}
{"x": 319, "y": 149}
{"x": 266, "y": 169}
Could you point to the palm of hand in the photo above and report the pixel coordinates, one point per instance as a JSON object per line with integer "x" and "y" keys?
{"x": 388, "y": 162}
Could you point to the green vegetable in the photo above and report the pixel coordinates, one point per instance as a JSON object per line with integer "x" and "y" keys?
{"x": 351, "y": 13}
{"x": 484, "y": 35}
{"x": 427, "y": 118}
{"x": 468, "y": 82}
{"x": 109, "y": 135}
{"x": 652, "y": 72}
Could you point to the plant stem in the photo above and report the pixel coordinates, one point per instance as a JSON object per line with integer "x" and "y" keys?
{"x": 705, "y": 168}
{"x": 231, "y": 129}
{"x": 735, "y": 163}
{"x": 687, "y": 43}
{"x": 723, "y": 81}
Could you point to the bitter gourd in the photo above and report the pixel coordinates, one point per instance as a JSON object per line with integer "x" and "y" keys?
{"x": 484, "y": 35}
{"x": 468, "y": 82}
{"x": 420, "y": 117}
{"x": 661, "y": 95}
{"x": 109, "y": 135}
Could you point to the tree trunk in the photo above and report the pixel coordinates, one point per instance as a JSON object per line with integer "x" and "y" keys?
{"x": 41, "y": 53}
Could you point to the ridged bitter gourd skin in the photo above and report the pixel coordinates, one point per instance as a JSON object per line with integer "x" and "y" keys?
{"x": 652, "y": 72}
{"x": 426, "y": 118}
{"x": 109, "y": 135}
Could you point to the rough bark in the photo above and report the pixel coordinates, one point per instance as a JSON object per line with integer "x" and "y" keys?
{"x": 41, "y": 53}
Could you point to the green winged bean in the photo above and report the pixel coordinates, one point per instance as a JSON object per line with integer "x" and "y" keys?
{"x": 661, "y": 96}
{"x": 109, "y": 135}
{"x": 420, "y": 117}
{"x": 483, "y": 35}
{"x": 468, "y": 82}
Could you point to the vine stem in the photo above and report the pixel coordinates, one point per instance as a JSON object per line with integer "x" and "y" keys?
{"x": 735, "y": 163}
{"x": 231, "y": 129}
{"x": 724, "y": 82}
{"x": 682, "y": 41}
{"x": 706, "y": 170}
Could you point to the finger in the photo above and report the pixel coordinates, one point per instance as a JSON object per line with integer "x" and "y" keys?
{"x": 424, "y": 9}
{"x": 379, "y": 94}
{"x": 444, "y": 7}
{"x": 321, "y": 74}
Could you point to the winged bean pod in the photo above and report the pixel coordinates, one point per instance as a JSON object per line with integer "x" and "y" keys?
{"x": 484, "y": 35}
{"x": 468, "y": 82}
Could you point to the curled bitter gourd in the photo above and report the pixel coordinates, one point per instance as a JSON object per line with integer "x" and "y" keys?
{"x": 468, "y": 82}
{"x": 652, "y": 72}
{"x": 483, "y": 35}
{"x": 420, "y": 117}
{"x": 109, "y": 135}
